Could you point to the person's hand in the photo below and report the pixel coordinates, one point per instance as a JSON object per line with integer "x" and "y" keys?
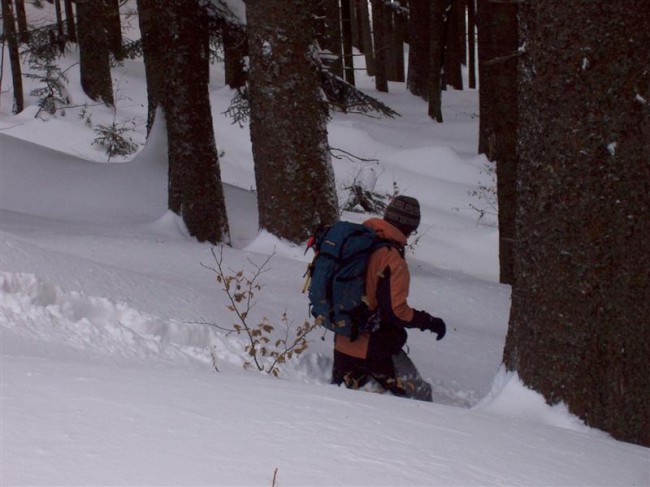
{"x": 437, "y": 326}
{"x": 424, "y": 321}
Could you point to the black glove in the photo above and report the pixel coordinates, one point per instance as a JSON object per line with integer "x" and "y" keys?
{"x": 424, "y": 321}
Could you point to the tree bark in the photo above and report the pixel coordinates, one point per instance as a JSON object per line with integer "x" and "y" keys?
{"x": 354, "y": 24}
{"x": 113, "y": 26}
{"x": 454, "y": 47}
{"x": 149, "y": 18}
{"x": 235, "y": 51}
{"x": 9, "y": 26}
{"x": 69, "y": 18}
{"x": 293, "y": 172}
{"x": 59, "y": 25}
{"x": 578, "y": 328}
{"x": 346, "y": 27}
{"x": 330, "y": 37}
{"x": 505, "y": 127}
{"x": 366, "y": 36}
{"x": 93, "y": 52}
{"x": 21, "y": 16}
{"x": 396, "y": 51}
{"x": 194, "y": 171}
{"x": 381, "y": 43}
{"x": 419, "y": 48}
{"x": 471, "y": 43}
{"x": 487, "y": 100}
{"x": 434, "y": 85}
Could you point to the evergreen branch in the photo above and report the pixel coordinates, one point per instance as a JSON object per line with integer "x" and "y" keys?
{"x": 344, "y": 97}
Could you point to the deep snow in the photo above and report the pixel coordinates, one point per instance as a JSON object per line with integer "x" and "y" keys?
{"x": 112, "y": 375}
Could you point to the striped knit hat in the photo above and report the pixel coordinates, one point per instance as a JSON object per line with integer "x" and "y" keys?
{"x": 403, "y": 212}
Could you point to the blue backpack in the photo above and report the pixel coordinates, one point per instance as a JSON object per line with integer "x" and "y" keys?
{"x": 338, "y": 278}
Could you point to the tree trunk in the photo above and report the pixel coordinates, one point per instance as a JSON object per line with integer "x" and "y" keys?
{"x": 194, "y": 172}
{"x": 498, "y": 122}
{"x": 21, "y": 16}
{"x": 381, "y": 42}
{"x": 358, "y": 5}
{"x": 293, "y": 172}
{"x": 471, "y": 43}
{"x": 113, "y": 26}
{"x": 434, "y": 88}
{"x": 59, "y": 26}
{"x": 366, "y": 36}
{"x": 419, "y": 48}
{"x": 581, "y": 300}
{"x": 346, "y": 25}
{"x": 69, "y": 18}
{"x": 504, "y": 82}
{"x": 149, "y": 18}
{"x": 396, "y": 51}
{"x": 487, "y": 100}
{"x": 331, "y": 38}
{"x": 93, "y": 52}
{"x": 454, "y": 50}
{"x": 235, "y": 51}
{"x": 354, "y": 23}
{"x": 9, "y": 26}
{"x": 461, "y": 17}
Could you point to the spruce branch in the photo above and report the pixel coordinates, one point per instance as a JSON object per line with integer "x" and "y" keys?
{"x": 344, "y": 97}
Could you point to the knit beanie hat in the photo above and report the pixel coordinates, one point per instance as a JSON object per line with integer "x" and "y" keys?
{"x": 403, "y": 212}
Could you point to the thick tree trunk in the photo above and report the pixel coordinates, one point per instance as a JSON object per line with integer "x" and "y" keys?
{"x": 93, "y": 52}
{"x": 194, "y": 172}
{"x": 293, "y": 172}
{"x": 581, "y": 299}
{"x": 9, "y": 26}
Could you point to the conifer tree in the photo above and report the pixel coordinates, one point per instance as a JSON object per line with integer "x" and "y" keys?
{"x": 293, "y": 171}
{"x": 578, "y": 328}
{"x": 9, "y": 26}
{"x": 94, "y": 58}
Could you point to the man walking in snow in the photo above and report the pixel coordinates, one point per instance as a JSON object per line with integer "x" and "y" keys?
{"x": 378, "y": 355}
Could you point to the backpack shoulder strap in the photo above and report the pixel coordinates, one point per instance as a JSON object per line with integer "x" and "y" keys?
{"x": 384, "y": 242}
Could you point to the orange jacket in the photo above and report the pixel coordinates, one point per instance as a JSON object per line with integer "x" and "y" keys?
{"x": 384, "y": 262}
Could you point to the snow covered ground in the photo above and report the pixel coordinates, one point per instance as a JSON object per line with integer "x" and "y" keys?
{"x": 111, "y": 373}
